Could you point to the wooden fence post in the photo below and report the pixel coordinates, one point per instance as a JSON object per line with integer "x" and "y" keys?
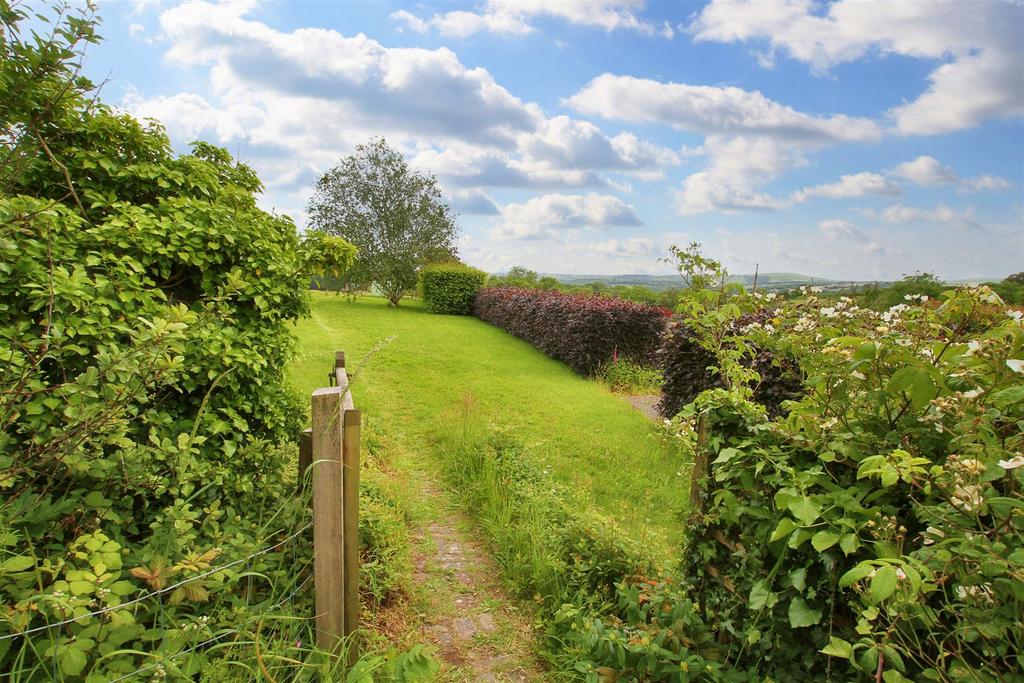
{"x": 305, "y": 459}
{"x": 328, "y": 518}
{"x": 350, "y": 459}
{"x": 700, "y": 469}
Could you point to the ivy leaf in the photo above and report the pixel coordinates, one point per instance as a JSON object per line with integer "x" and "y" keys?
{"x": 800, "y": 615}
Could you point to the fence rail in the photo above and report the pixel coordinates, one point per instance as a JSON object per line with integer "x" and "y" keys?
{"x": 330, "y": 451}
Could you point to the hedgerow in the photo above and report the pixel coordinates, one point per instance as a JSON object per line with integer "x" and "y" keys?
{"x": 450, "y": 287}
{"x": 583, "y": 331}
{"x": 689, "y": 369}
{"x": 146, "y": 305}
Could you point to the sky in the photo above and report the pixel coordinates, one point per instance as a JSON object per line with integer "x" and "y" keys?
{"x": 849, "y": 140}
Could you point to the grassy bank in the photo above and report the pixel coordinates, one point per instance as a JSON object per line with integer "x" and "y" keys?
{"x": 429, "y": 367}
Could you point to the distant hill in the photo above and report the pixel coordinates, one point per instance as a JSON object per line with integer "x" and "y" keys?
{"x": 663, "y": 282}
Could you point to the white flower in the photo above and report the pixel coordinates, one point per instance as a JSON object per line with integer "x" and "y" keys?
{"x": 933, "y": 533}
{"x": 1015, "y": 364}
{"x": 828, "y": 312}
{"x": 1016, "y": 315}
{"x": 973, "y": 346}
{"x": 858, "y": 374}
{"x": 968, "y": 498}
{"x": 1013, "y": 463}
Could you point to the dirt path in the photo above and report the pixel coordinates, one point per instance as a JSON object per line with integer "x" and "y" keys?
{"x": 645, "y": 403}
{"x": 478, "y": 630}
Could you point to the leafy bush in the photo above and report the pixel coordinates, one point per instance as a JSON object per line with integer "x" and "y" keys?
{"x": 688, "y": 368}
{"x": 146, "y": 306}
{"x": 583, "y": 331}
{"x": 625, "y": 375}
{"x": 875, "y": 533}
{"x": 450, "y": 287}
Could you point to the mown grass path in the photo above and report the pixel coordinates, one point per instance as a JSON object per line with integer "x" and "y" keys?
{"x": 613, "y": 456}
{"x": 423, "y": 371}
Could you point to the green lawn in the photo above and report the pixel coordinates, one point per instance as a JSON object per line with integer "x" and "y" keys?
{"x": 434, "y": 365}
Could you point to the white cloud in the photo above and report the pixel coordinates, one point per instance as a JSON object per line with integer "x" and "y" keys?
{"x": 925, "y": 170}
{"x": 837, "y": 228}
{"x": 713, "y": 110}
{"x": 512, "y": 17}
{"x": 751, "y": 139}
{"x": 629, "y": 248}
{"x": 294, "y": 102}
{"x": 942, "y": 214}
{"x": 563, "y": 142}
{"x": 981, "y": 81}
{"x": 984, "y": 183}
{"x": 551, "y": 215}
{"x": 472, "y": 201}
{"x": 853, "y": 185}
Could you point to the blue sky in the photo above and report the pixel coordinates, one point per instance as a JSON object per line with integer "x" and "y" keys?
{"x": 852, "y": 139}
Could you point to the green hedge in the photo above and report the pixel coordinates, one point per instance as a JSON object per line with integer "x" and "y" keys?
{"x": 451, "y": 287}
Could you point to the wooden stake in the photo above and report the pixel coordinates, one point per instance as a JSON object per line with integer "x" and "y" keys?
{"x": 328, "y": 518}
{"x": 350, "y": 443}
{"x": 700, "y": 469}
{"x": 305, "y": 458}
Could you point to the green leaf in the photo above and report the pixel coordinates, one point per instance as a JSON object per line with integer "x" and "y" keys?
{"x": 800, "y": 615}
{"x": 856, "y": 574}
{"x": 883, "y": 584}
{"x": 849, "y": 543}
{"x": 916, "y": 381}
{"x": 798, "y": 578}
{"x": 72, "y": 660}
{"x": 784, "y": 529}
{"x": 725, "y": 455}
{"x": 760, "y": 594}
{"x": 824, "y": 539}
{"x": 16, "y": 564}
{"x": 805, "y": 510}
{"x": 837, "y": 647}
{"x": 1008, "y": 396}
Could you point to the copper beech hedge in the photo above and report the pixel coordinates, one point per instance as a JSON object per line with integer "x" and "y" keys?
{"x": 582, "y": 331}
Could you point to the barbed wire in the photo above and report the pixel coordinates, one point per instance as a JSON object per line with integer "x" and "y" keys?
{"x": 151, "y": 594}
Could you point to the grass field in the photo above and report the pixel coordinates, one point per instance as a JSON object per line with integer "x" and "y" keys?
{"x": 429, "y": 367}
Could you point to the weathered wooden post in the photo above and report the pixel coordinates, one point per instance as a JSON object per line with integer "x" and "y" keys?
{"x": 350, "y": 459}
{"x": 328, "y": 517}
{"x": 350, "y": 485}
{"x": 700, "y": 469}
{"x": 305, "y": 458}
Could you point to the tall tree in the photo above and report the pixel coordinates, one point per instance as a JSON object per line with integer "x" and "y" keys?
{"x": 391, "y": 213}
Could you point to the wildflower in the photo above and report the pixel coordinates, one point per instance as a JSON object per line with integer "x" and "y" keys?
{"x": 932, "y": 535}
{"x": 1015, "y": 364}
{"x": 972, "y": 466}
{"x": 858, "y": 375}
{"x": 900, "y": 574}
{"x": 1015, "y": 315}
{"x": 1013, "y": 463}
{"x": 828, "y": 312}
{"x": 968, "y": 498}
{"x": 973, "y": 393}
{"x": 973, "y": 347}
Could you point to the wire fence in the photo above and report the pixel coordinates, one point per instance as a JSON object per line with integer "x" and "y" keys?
{"x": 152, "y": 594}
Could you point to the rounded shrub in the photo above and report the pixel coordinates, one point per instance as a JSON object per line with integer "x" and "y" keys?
{"x": 450, "y": 288}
